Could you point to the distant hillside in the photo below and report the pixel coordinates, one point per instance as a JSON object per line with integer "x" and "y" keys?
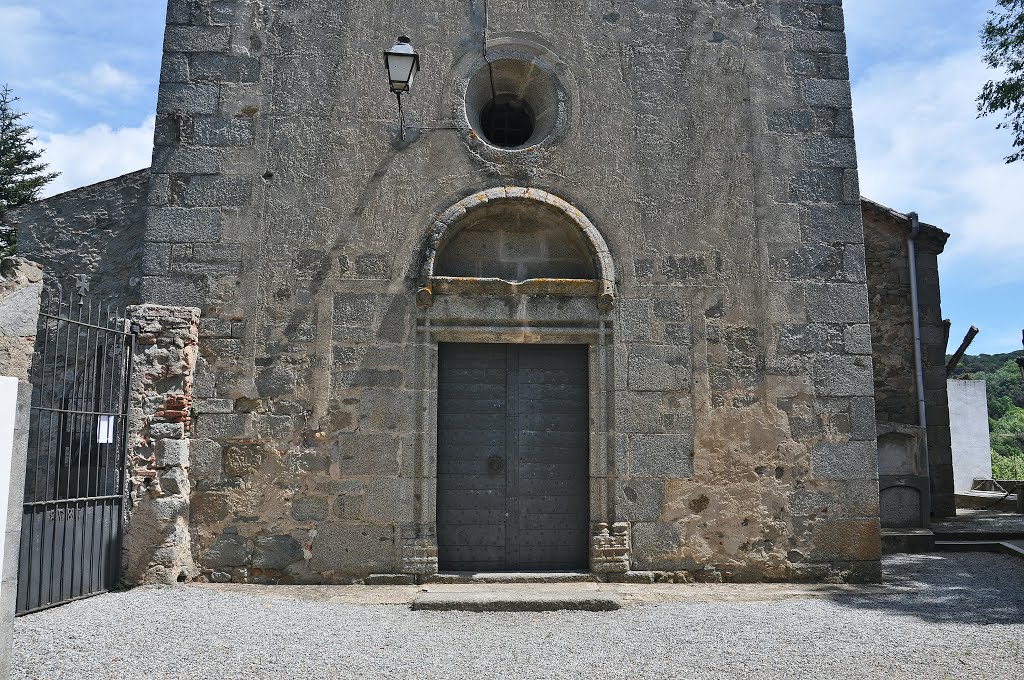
{"x": 984, "y": 362}
{"x": 1005, "y": 387}
{"x": 1001, "y": 373}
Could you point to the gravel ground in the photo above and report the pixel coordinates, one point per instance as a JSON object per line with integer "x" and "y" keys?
{"x": 940, "y": 616}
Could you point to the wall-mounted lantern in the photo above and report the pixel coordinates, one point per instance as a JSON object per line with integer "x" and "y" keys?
{"x": 402, "y": 64}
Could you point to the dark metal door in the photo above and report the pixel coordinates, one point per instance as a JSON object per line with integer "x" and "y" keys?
{"x": 513, "y": 457}
{"x": 74, "y": 478}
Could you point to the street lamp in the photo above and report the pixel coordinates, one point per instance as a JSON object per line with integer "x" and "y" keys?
{"x": 402, "y": 64}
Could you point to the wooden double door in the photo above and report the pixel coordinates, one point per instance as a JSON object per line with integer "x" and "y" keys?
{"x": 513, "y": 457}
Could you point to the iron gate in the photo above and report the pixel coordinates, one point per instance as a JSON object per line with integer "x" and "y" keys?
{"x": 75, "y": 473}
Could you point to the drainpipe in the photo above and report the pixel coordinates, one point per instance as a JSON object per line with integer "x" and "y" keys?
{"x": 915, "y": 229}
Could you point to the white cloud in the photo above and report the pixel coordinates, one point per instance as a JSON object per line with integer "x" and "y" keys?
{"x": 96, "y": 153}
{"x": 94, "y": 88}
{"x": 20, "y": 37}
{"x": 922, "y": 148}
{"x": 43, "y": 119}
{"x": 104, "y": 78}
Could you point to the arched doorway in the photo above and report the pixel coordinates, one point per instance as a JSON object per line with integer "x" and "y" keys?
{"x": 515, "y": 293}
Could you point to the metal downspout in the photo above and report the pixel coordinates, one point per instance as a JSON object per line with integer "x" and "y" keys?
{"x": 915, "y": 229}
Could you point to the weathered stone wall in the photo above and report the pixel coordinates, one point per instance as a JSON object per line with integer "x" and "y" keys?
{"x": 21, "y": 283}
{"x": 157, "y": 542}
{"x": 892, "y": 335}
{"x": 712, "y": 146}
{"x": 892, "y": 332}
{"x": 930, "y": 243}
{"x": 95, "y": 232}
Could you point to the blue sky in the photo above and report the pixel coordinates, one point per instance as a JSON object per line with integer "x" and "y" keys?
{"x": 87, "y": 71}
{"x": 916, "y": 70}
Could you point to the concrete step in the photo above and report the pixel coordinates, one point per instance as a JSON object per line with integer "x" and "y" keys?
{"x": 907, "y": 541}
{"x": 1005, "y": 547}
{"x": 465, "y": 577}
{"x": 517, "y": 601}
{"x": 996, "y": 536}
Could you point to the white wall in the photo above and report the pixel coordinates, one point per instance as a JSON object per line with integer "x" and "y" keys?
{"x": 968, "y": 429}
{"x": 8, "y": 410}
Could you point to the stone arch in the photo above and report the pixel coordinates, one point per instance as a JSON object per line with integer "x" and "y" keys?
{"x": 451, "y": 222}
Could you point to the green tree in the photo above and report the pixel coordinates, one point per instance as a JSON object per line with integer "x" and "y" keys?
{"x": 1008, "y": 443}
{"x": 1002, "y": 377}
{"x": 1002, "y": 39}
{"x": 22, "y": 174}
{"x": 998, "y": 406}
{"x": 1008, "y": 467}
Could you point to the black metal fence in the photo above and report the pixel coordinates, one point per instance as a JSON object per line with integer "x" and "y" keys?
{"x": 75, "y": 475}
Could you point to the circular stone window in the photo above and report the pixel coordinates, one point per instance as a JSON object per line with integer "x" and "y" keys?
{"x": 513, "y": 103}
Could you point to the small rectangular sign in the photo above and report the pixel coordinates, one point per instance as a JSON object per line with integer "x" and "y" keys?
{"x": 105, "y": 429}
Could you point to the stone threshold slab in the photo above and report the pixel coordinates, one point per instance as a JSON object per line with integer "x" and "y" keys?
{"x": 467, "y": 577}
{"x": 516, "y": 602}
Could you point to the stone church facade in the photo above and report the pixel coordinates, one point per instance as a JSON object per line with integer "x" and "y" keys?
{"x": 633, "y": 339}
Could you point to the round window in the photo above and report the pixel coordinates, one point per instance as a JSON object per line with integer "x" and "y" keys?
{"x": 513, "y": 103}
{"x": 507, "y": 121}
